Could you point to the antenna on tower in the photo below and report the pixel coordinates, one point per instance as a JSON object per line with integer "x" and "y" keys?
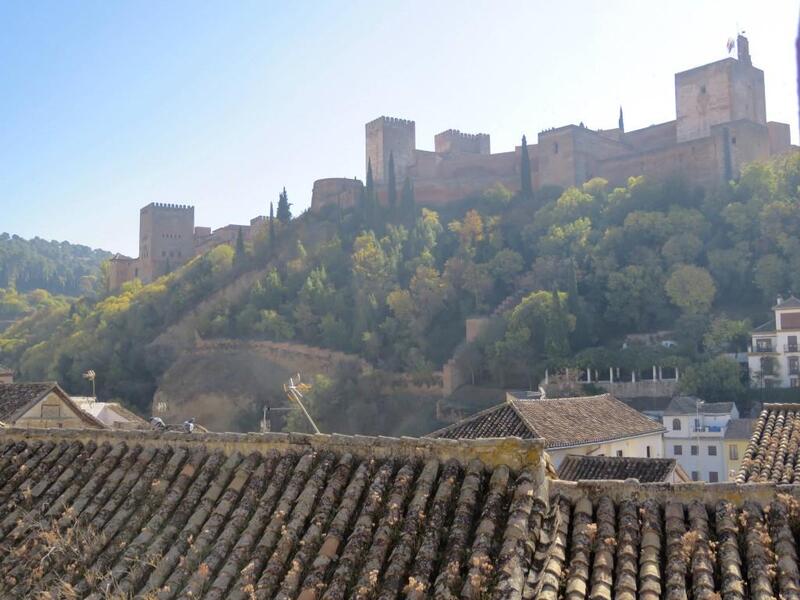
{"x": 294, "y": 390}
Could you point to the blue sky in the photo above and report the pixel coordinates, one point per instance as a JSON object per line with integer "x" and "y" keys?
{"x": 107, "y": 106}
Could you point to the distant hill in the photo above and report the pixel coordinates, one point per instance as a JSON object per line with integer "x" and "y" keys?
{"x": 57, "y": 267}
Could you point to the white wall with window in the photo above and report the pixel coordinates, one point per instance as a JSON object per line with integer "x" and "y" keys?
{"x": 773, "y": 357}
{"x": 694, "y": 436}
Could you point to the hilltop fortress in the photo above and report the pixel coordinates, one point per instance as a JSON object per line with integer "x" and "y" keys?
{"x": 720, "y": 125}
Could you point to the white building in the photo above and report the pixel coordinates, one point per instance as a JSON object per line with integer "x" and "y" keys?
{"x": 694, "y": 436}
{"x": 774, "y": 355}
{"x": 111, "y": 414}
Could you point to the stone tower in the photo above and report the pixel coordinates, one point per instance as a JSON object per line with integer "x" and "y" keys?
{"x": 721, "y": 92}
{"x": 166, "y": 238}
{"x": 385, "y": 136}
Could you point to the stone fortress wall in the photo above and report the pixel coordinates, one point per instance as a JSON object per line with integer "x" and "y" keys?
{"x": 169, "y": 238}
{"x": 720, "y": 125}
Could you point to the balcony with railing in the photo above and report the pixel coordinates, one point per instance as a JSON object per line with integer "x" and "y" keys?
{"x": 763, "y": 347}
{"x": 791, "y": 347}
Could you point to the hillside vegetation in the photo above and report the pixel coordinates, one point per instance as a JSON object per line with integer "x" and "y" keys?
{"x": 60, "y": 268}
{"x": 394, "y": 285}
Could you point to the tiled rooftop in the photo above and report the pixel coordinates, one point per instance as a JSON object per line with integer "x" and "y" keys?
{"x": 14, "y": 396}
{"x": 773, "y": 453}
{"x": 646, "y": 470}
{"x": 739, "y": 429}
{"x": 561, "y": 422}
{"x": 91, "y": 514}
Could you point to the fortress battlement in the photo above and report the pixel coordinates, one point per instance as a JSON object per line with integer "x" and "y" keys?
{"x": 390, "y": 120}
{"x": 166, "y": 205}
{"x": 455, "y": 133}
{"x": 720, "y": 109}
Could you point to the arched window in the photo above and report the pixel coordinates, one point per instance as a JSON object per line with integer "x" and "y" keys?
{"x": 676, "y": 424}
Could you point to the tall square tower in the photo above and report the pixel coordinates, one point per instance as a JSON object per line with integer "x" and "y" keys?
{"x": 721, "y": 92}
{"x": 389, "y": 136}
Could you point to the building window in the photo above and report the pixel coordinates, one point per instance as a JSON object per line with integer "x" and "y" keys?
{"x": 794, "y": 365}
{"x": 694, "y": 450}
{"x": 695, "y": 476}
{"x": 648, "y": 452}
{"x": 678, "y": 450}
{"x": 619, "y": 452}
{"x": 733, "y": 140}
{"x": 555, "y": 148}
{"x": 712, "y": 450}
{"x": 733, "y": 452}
{"x": 713, "y": 476}
{"x": 696, "y": 424}
{"x": 702, "y": 89}
{"x": 794, "y": 382}
{"x": 676, "y": 424}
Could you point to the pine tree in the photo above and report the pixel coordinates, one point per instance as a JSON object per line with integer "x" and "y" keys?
{"x": 240, "y": 251}
{"x": 407, "y": 208}
{"x": 392, "y": 184}
{"x": 284, "y": 212}
{"x": 526, "y": 188}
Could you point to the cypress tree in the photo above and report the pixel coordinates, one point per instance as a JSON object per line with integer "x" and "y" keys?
{"x": 271, "y": 227}
{"x": 391, "y": 182}
{"x": 369, "y": 196}
{"x": 284, "y": 212}
{"x": 240, "y": 251}
{"x": 407, "y": 202}
{"x": 526, "y": 189}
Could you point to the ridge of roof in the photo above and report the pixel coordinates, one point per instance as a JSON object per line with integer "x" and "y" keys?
{"x": 515, "y": 453}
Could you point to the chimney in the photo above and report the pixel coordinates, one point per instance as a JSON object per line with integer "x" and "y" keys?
{"x": 780, "y": 300}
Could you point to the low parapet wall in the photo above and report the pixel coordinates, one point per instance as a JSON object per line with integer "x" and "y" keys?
{"x": 707, "y": 493}
{"x": 511, "y": 452}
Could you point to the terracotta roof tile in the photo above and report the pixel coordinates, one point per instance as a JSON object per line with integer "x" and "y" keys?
{"x": 276, "y": 516}
{"x": 773, "y": 453}
{"x": 14, "y": 396}
{"x": 646, "y": 470}
{"x": 561, "y": 422}
{"x": 739, "y": 429}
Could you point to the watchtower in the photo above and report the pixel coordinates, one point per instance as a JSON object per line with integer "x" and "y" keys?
{"x": 387, "y": 136}
{"x": 165, "y": 238}
{"x": 720, "y": 92}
